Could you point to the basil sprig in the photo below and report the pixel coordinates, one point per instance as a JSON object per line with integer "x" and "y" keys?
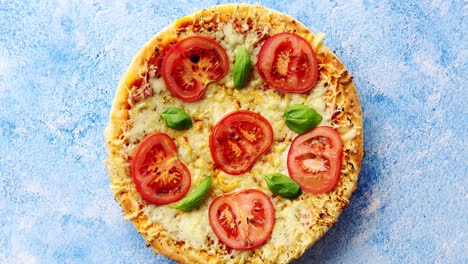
{"x": 176, "y": 118}
{"x": 300, "y": 118}
{"x": 242, "y": 67}
{"x": 282, "y": 185}
{"x": 195, "y": 198}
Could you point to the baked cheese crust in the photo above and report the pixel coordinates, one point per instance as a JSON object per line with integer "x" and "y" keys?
{"x": 141, "y": 95}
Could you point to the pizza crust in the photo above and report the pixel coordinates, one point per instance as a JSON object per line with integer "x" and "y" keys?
{"x": 347, "y": 120}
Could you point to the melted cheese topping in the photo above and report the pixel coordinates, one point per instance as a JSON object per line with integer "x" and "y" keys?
{"x": 193, "y": 149}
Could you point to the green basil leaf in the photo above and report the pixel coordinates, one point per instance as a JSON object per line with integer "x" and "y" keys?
{"x": 282, "y": 185}
{"x": 242, "y": 67}
{"x": 195, "y": 198}
{"x": 300, "y": 118}
{"x": 176, "y": 118}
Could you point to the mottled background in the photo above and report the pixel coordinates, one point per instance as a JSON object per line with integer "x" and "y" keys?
{"x": 60, "y": 62}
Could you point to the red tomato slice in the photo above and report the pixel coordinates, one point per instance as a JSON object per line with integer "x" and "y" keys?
{"x": 288, "y": 63}
{"x": 314, "y": 160}
{"x": 159, "y": 176}
{"x": 191, "y": 64}
{"x": 242, "y": 220}
{"x": 238, "y": 140}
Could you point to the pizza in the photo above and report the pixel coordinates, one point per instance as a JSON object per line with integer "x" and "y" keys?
{"x": 235, "y": 136}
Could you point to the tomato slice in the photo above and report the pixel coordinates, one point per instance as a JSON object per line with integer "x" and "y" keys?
{"x": 238, "y": 140}
{"x": 288, "y": 63}
{"x": 191, "y": 64}
{"x": 314, "y": 160}
{"x": 242, "y": 220}
{"x": 159, "y": 176}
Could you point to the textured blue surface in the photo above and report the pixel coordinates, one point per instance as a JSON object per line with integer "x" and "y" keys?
{"x": 60, "y": 62}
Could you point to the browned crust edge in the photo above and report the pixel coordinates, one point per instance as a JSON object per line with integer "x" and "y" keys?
{"x": 131, "y": 202}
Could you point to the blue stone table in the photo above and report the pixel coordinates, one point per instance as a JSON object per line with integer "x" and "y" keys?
{"x": 60, "y": 62}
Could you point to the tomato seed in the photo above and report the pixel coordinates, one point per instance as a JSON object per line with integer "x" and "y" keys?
{"x": 194, "y": 58}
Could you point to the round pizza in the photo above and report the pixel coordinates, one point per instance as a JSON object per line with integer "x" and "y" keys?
{"x": 235, "y": 136}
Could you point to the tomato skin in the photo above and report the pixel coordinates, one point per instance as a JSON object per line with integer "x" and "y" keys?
{"x": 314, "y": 160}
{"x": 288, "y": 63}
{"x": 158, "y": 175}
{"x": 242, "y": 220}
{"x": 238, "y": 140}
{"x": 191, "y": 64}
